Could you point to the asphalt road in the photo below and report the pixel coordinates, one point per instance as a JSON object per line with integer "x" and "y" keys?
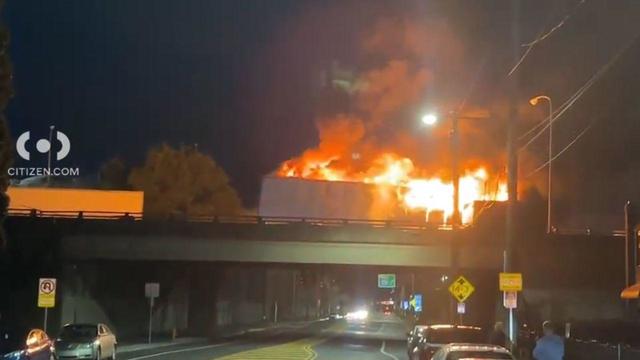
{"x": 380, "y": 337}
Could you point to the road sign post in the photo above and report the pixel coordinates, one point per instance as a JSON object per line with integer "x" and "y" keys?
{"x": 152, "y": 291}
{"x": 510, "y": 284}
{"x": 46, "y": 297}
{"x": 461, "y": 289}
{"x": 462, "y": 309}
{"x": 510, "y": 300}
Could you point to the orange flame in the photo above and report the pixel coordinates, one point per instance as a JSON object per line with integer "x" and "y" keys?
{"x": 415, "y": 193}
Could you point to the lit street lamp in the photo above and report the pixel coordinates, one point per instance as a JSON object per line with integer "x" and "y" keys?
{"x": 534, "y": 101}
{"x": 429, "y": 119}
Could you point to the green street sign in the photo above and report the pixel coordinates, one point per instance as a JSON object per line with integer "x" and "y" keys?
{"x": 387, "y": 281}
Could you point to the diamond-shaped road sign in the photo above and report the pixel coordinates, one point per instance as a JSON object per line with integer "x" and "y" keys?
{"x": 461, "y": 289}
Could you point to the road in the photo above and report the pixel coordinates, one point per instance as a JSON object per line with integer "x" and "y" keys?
{"x": 378, "y": 338}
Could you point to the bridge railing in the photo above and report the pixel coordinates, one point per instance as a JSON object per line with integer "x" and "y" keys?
{"x": 233, "y": 219}
{"x": 263, "y": 220}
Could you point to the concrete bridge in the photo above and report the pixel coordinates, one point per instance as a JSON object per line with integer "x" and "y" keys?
{"x": 272, "y": 241}
{"x": 223, "y": 271}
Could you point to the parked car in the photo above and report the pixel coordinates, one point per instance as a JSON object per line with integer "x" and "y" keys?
{"x": 38, "y": 346}
{"x": 472, "y": 351}
{"x": 86, "y": 341}
{"x": 413, "y": 337}
{"x": 436, "y": 336}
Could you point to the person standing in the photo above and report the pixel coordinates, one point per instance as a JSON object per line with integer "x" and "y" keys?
{"x": 550, "y": 346}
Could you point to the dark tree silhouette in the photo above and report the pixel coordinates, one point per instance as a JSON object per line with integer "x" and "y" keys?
{"x": 114, "y": 174}
{"x": 184, "y": 182}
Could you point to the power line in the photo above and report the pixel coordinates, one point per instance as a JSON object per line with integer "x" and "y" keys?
{"x": 584, "y": 131}
{"x": 567, "y": 104}
{"x": 558, "y": 26}
{"x": 542, "y": 36}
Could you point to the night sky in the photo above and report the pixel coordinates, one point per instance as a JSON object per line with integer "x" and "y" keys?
{"x": 240, "y": 79}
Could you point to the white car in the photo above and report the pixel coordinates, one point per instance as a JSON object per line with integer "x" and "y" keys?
{"x": 472, "y": 351}
{"x": 86, "y": 341}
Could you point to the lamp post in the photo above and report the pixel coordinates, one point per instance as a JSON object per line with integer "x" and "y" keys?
{"x": 51, "y": 128}
{"x": 534, "y": 101}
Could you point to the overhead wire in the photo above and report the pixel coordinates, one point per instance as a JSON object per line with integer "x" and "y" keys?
{"x": 542, "y": 36}
{"x": 558, "y": 26}
{"x": 584, "y": 131}
{"x": 576, "y": 96}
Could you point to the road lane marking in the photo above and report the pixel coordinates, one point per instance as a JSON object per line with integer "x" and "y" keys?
{"x": 384, "y": 344}
{"x": 180, "y": 351}
{"x": 298, "y": 350}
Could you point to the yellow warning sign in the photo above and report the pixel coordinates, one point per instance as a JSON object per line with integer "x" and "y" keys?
{"x": 461, "y": 289}
{"x": 47, "y": 293}
{"x": 510, "y": 281}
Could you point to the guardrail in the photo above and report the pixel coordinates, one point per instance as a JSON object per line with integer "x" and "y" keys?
{"x": 264, "y": 220}
{"x": 234, "y": 219}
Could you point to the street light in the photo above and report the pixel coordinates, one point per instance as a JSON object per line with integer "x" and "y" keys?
{"x": 429, "y": 119}
{"x": 534, "y": 101}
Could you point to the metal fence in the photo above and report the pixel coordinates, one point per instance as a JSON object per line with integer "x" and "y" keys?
{"x": 592, "y": 350}
{"x": 235, "y": 219}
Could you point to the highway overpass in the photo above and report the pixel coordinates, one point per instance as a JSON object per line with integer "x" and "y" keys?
{"x": 258, "y": 240}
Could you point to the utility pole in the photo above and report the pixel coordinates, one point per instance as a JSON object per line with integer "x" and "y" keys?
{"x": 512, "y": 161}
{"x": 455, "y": 173}
{"x": 51, "y": 128}
{"x": 631, "y": 244}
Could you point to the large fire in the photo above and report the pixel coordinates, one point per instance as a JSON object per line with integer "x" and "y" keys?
{"x": 415, "y": 193}
{"x": 367, "y": 141}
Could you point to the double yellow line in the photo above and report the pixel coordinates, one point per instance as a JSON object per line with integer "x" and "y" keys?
{"x": 295, "y": 350}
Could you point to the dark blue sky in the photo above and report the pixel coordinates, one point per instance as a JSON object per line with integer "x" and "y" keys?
{"x": 239, "y": 78}
{"x": 120, "y": 76}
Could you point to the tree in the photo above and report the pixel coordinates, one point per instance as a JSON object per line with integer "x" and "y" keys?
{"x": 114, "y": 174}
{"x": 6, "y": 92}
{"x": 184, "y": 182}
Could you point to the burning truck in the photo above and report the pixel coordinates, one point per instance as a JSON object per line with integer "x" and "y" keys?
{"x": 390, "y": 193}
